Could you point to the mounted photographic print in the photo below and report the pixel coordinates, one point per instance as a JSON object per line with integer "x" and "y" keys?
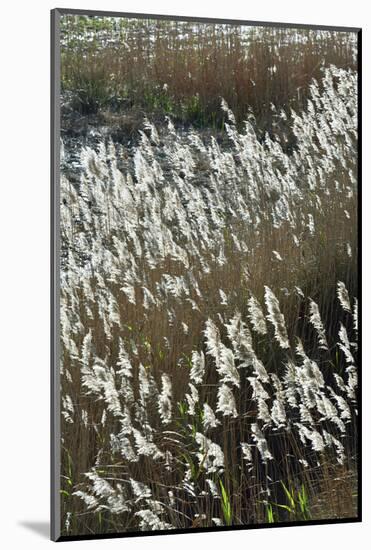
{"x": 205, "y": 274}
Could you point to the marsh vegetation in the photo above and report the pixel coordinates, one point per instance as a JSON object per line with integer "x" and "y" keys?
{"x": 208, "y": 276}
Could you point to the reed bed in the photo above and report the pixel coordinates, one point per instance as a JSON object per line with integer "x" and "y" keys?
{"x": 209, "y": 323}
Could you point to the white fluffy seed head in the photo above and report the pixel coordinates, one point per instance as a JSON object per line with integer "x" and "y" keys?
{"x": 276, "y": 318}
{"x": 343, "y": 297}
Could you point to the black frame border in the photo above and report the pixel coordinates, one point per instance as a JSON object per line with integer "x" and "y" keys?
{"x": 55, "y": 516}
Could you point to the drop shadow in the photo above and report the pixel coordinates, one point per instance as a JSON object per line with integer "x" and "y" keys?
{"x": 42, "y": 528}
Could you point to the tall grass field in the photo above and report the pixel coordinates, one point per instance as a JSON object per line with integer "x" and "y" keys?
{"x": 208, "y": 277}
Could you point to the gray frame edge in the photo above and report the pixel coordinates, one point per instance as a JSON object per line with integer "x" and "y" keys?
{"x": 55, "y": 515}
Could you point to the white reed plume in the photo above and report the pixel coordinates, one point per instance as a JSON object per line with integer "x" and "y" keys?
{"x": 343, "y": 297}
{"x": 226, "y": 401}
{"x": 277, "y": 256}
{"x": 261, "y": 443}
{"x": 239, "y": 335}
{"x": 213, "y": 488}
{"x": 313, "y": 436}
{"x": 123, "y": 362}
{"x": 276, "y": 318}
{"x": 192, "y": 399}
{"x": 129, "y": 291}
{"x": 290, "y": 383}
{"x": 144, "y": 385}
{"x": 344, "y": 344}
{"x": 145, "y": 445}
{"x": 223, "y": 298}
{"x": 316, "y": 321}
{"x": 305, "y": 416}
{"x": 332, "y": 441}
{"x": 198, "y": 367}
{"x": 140, "y": 490}
{"x": 340, "y": 382}
{"x": 310, "y": 224}
{"x": 212, "y": 339}
{"x": 209, "y": 419}
{"x": 278, "y": 413}
{"x": 258, "y": 390}
{"x": 100, "y": 381}
{"x": 226, "y": 366}
{"x": 352, "y": 382}
{"x": 86, "y": 350}
{"x": 256, "y": 316}
{"x": 227, "y": 110}
{"x": 122, "y": 444}
{"x": 164, "y": 404}
{"x": 246, "y": 451}
{"x": 260, "y": 396}
{"x": 210, "y": 455}
{"x": 68, "y": 409}
{"x": 263, "y": 412}
{"x": 89, "y": 500}
{"x": 150, "y": 521}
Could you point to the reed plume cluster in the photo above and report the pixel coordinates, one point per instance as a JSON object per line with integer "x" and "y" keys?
{"x": 209, "y": 324}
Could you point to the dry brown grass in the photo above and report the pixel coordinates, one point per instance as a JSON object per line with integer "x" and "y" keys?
{"x": 184, "y": 69}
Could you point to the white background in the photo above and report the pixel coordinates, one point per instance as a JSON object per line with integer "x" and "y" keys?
{"x": 24, "y": 270}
